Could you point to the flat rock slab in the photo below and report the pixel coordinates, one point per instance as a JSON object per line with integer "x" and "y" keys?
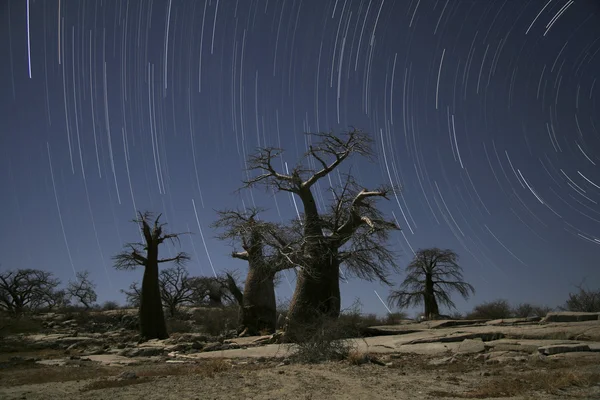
{"x": 514, "y": 321}
{"x": 563, "y": 348}
{"x": 568, "y": 316}
{"x": 110, "y": 359}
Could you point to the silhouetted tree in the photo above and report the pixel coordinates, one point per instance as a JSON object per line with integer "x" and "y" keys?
{"x": 133, "y": 295}
{"x": 26, "y": 290}
{"x": 583, "y": 301}
{"x": 318, "y": 260}
{"x": 176, "y": 288}
{"x": 82, "y": 289}
{"x": 152, "y": 319}
{"x": 260, "y": 242}
{"x": 431, "y": 276}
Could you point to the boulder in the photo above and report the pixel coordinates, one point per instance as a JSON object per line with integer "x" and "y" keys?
{"x": 471, "y": 346}
{"x": 562, "y": 348}
{"x": 570, "y": 316}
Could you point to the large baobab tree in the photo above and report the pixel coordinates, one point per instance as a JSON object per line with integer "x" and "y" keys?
{"x": 260, "y": 242}
{"x": 320, "y": 255}
{"x": 431, "y": 276}
{"x": 152, "y": 319}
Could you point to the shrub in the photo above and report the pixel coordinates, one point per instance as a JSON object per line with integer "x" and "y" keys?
{"x": 15, "y": 325}
{"x": 394, "y": 318}
{"x": 583, "y": 301}
{"x": 323, "y": 341}
{"x": 178, "y": 326}
{"x": 525, "y": 310}
{"x": 110, "y": 305}
{"x": 216, "y": 320}
{"x": 497, "y": 309}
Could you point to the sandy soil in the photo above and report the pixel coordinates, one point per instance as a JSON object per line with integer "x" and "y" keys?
{"x": 406, "y": 376}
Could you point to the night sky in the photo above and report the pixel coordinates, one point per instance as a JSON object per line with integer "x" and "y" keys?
{"x": 485, "y": 112}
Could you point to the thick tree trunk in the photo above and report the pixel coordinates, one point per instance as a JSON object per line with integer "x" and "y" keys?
{"x": 431, "y": 306}
{"x": 152, "y": 319}
{"x": 259, "y": 310}
{"x": 316, "y": 298}
{"x": 317, "y": 293}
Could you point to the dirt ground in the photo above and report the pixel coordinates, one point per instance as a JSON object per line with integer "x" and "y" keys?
{"x": 403, "y": 376}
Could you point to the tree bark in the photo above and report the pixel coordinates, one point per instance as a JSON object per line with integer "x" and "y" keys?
{"x": 152, "y": 319}
{"x": 259, "y": 310}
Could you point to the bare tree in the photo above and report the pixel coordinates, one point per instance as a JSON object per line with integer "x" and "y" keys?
{"x": 317, "y": 290}
{"x": 431, "y": 276}
{"x": 262, "y": 243}
{"x": 26, "y": 289}
{"x": 152, "y": 319}
{"x": 176, "y": 288}
{"x": 82, "y": 289}
{"x": 586, "y": 300}
{"x": 133, "y": 295}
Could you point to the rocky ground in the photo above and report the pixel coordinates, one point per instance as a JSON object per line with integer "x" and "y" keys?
{"x": 558, "y": 357}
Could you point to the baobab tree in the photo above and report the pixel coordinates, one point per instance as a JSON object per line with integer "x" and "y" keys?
{"x": 318, "y": 257}
{"x": 26, "y": 290}
{"x": 152, "y": 319}
{"x": 431, "y": 276}
{"x": 261, "y": 243}
{"x": 82, "y": 289}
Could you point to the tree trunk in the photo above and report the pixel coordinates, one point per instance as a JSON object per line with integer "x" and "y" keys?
{"x": 316, "y": 298}
{"x": 317, "y": 293}
{"x": 259, "y": 310}
{"x": 152, "y": 318}
{"x": 431, "y": 306}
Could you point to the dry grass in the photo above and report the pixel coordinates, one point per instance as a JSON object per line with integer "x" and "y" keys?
{"x": 356, "y": 357}
{"x": 39, "y": 374}
{"x": 111, "y": 383}
{"x": 552, "y": 382}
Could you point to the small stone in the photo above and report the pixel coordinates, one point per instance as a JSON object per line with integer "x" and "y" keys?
{"x": 485, "y": 373}
{"x": 469, "y": 346}
{"x": 127, "y": 375}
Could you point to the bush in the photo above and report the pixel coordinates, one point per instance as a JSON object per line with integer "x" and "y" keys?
{"x": 323, "y": 341}
{"x": 584, "y": 301}
{"x": 393, "y": 318}
{"x": 15, "y": 325}
{"x": 526, "y": 310}
{"x": 110, "y": 305}
{"x": 216, "y": 321}
{"x": 497, "y": 309}
{"x": 178, "y": 326}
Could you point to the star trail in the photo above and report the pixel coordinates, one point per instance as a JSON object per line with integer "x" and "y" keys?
{"x": 486, "y": 113}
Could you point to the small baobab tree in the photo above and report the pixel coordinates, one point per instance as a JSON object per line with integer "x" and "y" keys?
{"x": 431, "y": 276}
{"x": 82, "y": 290}
{"x": 152, "y": 319}
{"x": 261, "y": 243}
{"x": 318, "y": 257}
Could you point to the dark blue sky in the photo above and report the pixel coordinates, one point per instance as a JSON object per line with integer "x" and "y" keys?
{"x": 485, "y": 112}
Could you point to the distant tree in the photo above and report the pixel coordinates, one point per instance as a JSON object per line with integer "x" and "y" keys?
{"x": 59, "y": 299}
{"x": 176, "y": 288}
{"x": 82, "y": 290}
{"x": 26, "y": 290}
{"x": 585, "y": 300}
{"x": 431, "y": 277}
{"x": 261, "y": 243}
{"x": 318, "y": 260}
{"x": 133, "y": 295}
{"x": 152, "y": 319}
{"x": 526, "y": 310}
{"x": 497, "y": 309}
